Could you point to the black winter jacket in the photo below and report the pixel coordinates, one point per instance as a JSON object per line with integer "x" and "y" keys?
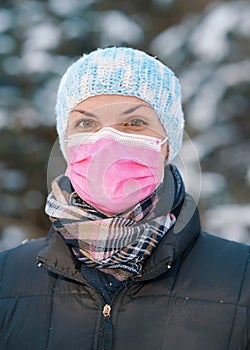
{"x": 194, "y": 294}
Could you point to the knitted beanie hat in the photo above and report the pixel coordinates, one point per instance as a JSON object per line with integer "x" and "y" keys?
{"x": 123, "y": 71}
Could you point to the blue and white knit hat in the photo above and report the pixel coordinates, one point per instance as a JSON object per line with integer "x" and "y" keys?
{"x": 123, "y": 71}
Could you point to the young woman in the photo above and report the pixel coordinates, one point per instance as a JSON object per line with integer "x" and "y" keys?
{"x": 125, "y": 264}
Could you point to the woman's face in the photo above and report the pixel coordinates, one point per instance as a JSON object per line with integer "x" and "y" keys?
{"x": 124, "y": 113}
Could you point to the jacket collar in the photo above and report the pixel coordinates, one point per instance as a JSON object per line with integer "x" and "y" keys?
{"x": 57, "y": 257}
{"x": 177, "y": 240}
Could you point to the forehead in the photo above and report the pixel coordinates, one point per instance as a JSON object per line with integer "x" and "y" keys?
{"x": 103, "y": 100}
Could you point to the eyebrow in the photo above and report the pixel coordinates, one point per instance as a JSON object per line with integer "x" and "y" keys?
{"x": 128, "y": 111}
{"x": 88, "y": 114}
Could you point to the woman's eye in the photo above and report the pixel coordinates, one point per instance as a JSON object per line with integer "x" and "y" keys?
{"x": 86, "y": 124}
{"x": 136, "y": 123}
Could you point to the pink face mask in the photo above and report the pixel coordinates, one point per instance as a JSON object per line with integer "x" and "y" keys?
{"x": 112, "y": 170}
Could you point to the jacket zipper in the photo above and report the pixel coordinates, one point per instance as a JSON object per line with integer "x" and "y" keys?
{"x": 107, "y": 321}
{"x": 107, "y": 331}
{"x": 107, "y": 335}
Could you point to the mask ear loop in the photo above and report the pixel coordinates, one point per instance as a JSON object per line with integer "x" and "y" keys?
{"x": 163, "y": 141}
{"x": 160, "y": 144}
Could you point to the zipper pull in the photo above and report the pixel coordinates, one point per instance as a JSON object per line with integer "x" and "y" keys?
{"x": 106, "y": 310}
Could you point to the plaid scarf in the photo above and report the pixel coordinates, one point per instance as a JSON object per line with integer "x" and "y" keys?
{"x": 114, "y": 244}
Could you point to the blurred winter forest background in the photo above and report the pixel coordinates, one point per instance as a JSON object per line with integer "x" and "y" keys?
{"x": 206, "y": 43}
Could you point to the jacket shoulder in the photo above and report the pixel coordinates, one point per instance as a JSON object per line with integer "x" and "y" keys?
{"x": 26, "y": 251}
{"x": 215, "y": 244}
{"x": 19, "y": 273}
{"x": 218, "y": 270}
{"x": 237, "y": 258}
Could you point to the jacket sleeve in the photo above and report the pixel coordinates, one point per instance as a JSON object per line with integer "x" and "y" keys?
{"x": 244, "y": 298}
{"x": 3, "y": 260}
